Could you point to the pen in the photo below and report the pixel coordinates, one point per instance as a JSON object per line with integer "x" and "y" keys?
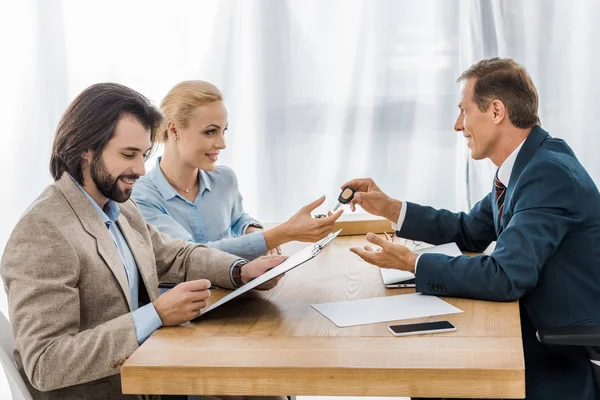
{"x": 171, "y": 285}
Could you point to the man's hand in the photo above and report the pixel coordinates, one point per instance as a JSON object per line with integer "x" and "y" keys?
{"x": 373, "y": 200}
{"x": 258, "y": 267}
{"x": 276, "y": 251}
{"x": 182, "y": 303}
{"x": 304, "y": 228}
{"x": 393, "y": 256}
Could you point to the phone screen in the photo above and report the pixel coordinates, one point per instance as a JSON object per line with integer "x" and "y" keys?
{"x": 423, "y": 327}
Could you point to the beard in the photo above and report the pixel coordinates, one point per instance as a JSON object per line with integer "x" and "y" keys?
{"x": 106, "y": 183}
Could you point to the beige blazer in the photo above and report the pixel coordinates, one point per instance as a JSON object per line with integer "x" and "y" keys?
{"x": 68, "y": 296}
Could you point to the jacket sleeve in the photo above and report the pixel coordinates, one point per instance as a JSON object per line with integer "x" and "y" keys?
{"x": 40, "y": 270}
{"x": 545, "y": 209}
{"x": 471, "y": 232}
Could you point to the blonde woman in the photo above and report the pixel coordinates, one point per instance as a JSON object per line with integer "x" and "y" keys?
{"x": 188, "y": 196}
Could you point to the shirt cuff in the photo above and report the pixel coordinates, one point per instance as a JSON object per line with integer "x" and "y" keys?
{"x": 145, "y": 321}
{"x": 417, "y": 263}
{"x": 253, "y": 223}
{"x": 256, "y": 244}
{"x": 237, "y": 262}
{"x": 398, "y": 225}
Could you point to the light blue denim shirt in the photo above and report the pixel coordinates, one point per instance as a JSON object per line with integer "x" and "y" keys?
{"x": 145, "y": 318}
{"x": 215, "y": 218}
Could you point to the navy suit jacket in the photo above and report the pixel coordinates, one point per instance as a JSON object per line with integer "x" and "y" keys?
{"x": 547, "y": 255}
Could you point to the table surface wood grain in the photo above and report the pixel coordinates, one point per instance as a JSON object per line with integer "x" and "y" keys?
{"x": 275, "y": 343}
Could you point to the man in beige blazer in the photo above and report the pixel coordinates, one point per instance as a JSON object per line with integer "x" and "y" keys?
{"x": 81, "y": 268}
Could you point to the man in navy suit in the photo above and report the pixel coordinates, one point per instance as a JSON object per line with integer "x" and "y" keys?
{"x": 543, "y": 212}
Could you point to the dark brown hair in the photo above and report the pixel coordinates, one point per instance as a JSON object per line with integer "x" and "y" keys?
{"x": 89, "y": 124}
{"x": 505, "y": 80}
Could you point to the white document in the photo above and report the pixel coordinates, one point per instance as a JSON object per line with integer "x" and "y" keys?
{"x": 304, "y": 255}
{"x": 380, "y": 309}
{"x": 392, "y": 277}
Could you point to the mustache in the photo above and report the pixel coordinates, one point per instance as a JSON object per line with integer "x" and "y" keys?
{"x": 129, "y": 176}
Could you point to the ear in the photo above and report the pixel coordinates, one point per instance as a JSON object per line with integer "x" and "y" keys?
{"x": 499, "y": 112}
{"x": 87, "y": 156}
{"x": 172, "y": 130}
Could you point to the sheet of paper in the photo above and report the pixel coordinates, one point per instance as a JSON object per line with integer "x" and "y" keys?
{"x": 380, "y": 309}
{"x": 391, "y": 276}
{"x": 292, "y": 262}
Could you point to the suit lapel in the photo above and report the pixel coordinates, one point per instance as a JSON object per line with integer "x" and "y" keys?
{"x": 533, "y": 142}
{"x": 139, "y": 251}
{"x": 93, "y": 224}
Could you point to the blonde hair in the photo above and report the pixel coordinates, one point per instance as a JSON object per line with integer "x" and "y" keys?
{"x": 182, "y": 100}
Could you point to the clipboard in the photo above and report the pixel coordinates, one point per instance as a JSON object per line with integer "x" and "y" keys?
{"x": 299, "y": 258}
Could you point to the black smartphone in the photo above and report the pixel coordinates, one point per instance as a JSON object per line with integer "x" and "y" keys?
{"x": 419, "y": 329}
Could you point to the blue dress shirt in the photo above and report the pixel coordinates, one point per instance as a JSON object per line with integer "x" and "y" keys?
{"x": 145, "y": 319}
{"x": 215, "y": 218}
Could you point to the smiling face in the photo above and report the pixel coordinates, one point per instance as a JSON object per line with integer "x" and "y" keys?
{"x": 203, "y": 137}
{"x": 478, "y": 127}
{"x": 112, "y": 173}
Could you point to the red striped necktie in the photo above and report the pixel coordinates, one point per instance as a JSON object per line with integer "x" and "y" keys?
{"x": 500, "y": 194}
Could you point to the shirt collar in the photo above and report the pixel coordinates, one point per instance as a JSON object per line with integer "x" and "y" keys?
{"x": 111, "y": 211}
{"x": 204, "y": 181}
{"x": 167, "y": 191}
{"x": 160, "y": 181}
{"x": 507, "y": 166}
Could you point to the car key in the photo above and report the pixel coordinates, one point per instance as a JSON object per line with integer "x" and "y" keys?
{"x": 345, "y": 197}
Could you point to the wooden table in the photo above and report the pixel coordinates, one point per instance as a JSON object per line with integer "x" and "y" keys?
{"x": 274, "y": 343}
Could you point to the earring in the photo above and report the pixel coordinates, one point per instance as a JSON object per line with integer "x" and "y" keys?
{"x": 175, "y": 138}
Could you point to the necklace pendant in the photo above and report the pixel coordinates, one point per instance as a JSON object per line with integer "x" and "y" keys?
{"x": 187, "y": 191}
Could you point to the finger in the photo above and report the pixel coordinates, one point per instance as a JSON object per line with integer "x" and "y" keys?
{"x": 360, "y": 197}
{"x": 278, "y": 249}
{"x": 365, "y": 255}
{"x": 270, "y": 284}
{"x": 273, "y": 282}
{"x": 199, "y": 296}
{"x": 265, "y": 286}
{"x": 334, "y": 217}
{"x": 378, "y": 240}
{"x": 273, "y": 261}
{"x": 273, "y": 257}
{"x": 197, "y": 285}
{"x": 311, "y": 206}
{"x": 197, "y": 306}
{"x": 368, "y": 248}
{"x": 357, "y": 184}
{"x": 329, "y": 220}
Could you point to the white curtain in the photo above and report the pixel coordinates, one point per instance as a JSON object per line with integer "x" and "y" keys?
{"x": 318, "y": 92}
{"x": 557, "y": 42}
